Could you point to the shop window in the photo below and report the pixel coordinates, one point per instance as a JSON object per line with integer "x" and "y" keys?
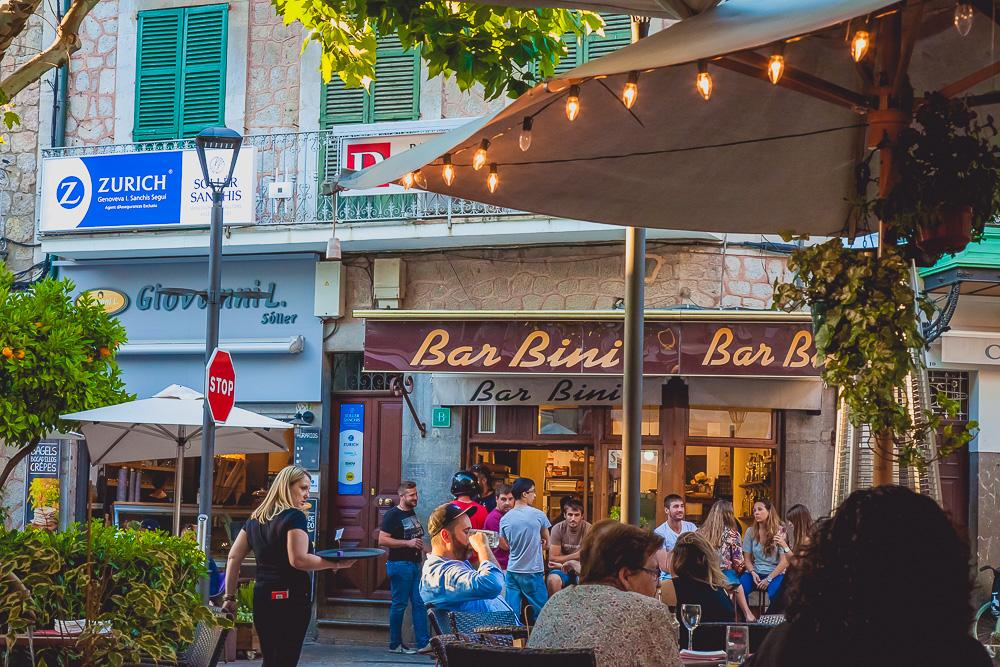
{"x": 553, "y": 420}
{"x": 742, "y": 475}
{"x": 650, "y": 421}
{"x": 649, "y": 480}
{"x": 487, "y": 419}
{"x": 739, "y": 423}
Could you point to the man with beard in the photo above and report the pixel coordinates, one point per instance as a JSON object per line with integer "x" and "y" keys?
{"x": 402, "y": 534}
{"x": 449, "y": 581}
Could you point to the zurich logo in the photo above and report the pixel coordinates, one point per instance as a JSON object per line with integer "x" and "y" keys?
{"x": 69, "y": 192}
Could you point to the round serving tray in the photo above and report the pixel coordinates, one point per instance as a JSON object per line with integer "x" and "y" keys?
{"x": 349, "y": 554}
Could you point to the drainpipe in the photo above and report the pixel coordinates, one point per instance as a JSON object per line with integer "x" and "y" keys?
{"x": 61, "y": 85}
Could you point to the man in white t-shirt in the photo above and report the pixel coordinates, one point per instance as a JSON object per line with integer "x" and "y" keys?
{"x": 671, "y": 529}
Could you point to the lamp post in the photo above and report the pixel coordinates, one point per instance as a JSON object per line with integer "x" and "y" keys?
{"x": 218, "y": 148}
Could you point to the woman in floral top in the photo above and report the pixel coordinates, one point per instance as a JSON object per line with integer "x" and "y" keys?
{"x": 722, "y": 531}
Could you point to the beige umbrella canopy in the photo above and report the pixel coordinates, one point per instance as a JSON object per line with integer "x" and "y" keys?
{"x": 755, "y": 157}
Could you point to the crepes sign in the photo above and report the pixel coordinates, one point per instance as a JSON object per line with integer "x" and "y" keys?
{"x": 762, "y": 349}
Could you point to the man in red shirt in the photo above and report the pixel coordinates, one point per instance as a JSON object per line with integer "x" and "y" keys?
{"x": 464, "y": 487}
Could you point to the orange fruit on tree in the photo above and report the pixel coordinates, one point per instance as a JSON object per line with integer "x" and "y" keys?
{"x": 7, "y": 352}
{"x": 105, "y": 352}
{"x": 19, "y": 354}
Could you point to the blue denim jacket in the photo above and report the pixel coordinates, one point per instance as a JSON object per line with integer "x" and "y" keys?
{"x": 456, "y": 586}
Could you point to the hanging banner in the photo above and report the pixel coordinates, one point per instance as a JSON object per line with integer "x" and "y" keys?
{"x": 361, "y": 152}
{"x": 145, "y": 189}
{"x": 41, "y": 486}
{"x": 351, "y": 449}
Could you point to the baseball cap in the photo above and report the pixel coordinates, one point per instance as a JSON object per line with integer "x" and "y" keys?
{"x": 443, "y": 515}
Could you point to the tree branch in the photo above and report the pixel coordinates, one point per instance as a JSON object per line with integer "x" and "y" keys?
{"x": 66, "y": 43}
{"x": 14, "y": 14}
{"x": 19, "y": 456}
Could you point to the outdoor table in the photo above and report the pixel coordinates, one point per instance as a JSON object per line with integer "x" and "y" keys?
{"x": 43, "y": 641}
{"x": 711, "y": 636}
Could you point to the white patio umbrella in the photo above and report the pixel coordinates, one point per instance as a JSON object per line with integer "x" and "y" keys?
{"x": 169, "y": 425}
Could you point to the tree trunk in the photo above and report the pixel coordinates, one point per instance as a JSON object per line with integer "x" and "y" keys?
{"x": 882, "y": 461}
{"x": 18, "y": 456}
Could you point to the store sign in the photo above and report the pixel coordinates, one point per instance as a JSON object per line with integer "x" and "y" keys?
{"x": 512, "y": 390}
{"x": 959, "y": 347}
{"x": 41, "y": 484}
{"x": 145, "y": 189}
{"x": 363, "y": 152}
{"x": 780, "y": 349}
{"x": 112, "y": 301}
{"x": 351, "y": 449}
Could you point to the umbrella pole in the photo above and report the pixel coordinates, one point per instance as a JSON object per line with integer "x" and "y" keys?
{"x": 635, "y": 272}
{"x": 178, "y": 488}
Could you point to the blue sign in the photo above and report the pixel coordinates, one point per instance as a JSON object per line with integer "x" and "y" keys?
{"x": 144, "y": 189}
{"x": 351, "y": 450}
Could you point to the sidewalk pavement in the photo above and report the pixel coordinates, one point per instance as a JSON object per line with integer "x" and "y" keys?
{"x": 344, "y": 655}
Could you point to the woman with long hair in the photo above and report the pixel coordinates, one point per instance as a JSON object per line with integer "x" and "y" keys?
{"x": 885, "y": 582}
{"x": 613, "y": 609}
{"x": 799, "y": 522}
{"x": 282, "y": 595}
{"x": 698, "y": 579}
{"x": 766, "y": 561}
{"x": 722, "y": 532}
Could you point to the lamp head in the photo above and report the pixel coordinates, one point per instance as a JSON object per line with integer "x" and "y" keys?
{"x": 218, "y": 148}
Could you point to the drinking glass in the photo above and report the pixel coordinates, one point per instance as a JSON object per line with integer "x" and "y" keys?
{"x": 737, "y": 644}
{"x": 492, "y": 537}
{"x": 691, "y": 615}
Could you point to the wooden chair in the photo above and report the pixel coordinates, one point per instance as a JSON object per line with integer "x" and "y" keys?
{"x": 467, "y": 654}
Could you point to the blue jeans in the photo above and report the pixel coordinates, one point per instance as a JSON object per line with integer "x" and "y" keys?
{"x": 772, "y": 588}
{"x": 529, "y": 586}
{"x": 404, "y": 583}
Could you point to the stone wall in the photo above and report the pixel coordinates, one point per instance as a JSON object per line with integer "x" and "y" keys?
{"x": 91, "y": 111}
{"x": 808, "y": 462}
{"x": 273, "y": 72}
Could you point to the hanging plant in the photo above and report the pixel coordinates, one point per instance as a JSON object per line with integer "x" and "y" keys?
{"x": 866, "y": 328}
{"x": 948, "y": 185}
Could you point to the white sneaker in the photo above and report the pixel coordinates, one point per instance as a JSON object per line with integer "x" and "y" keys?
{"x": 403, "y": 649}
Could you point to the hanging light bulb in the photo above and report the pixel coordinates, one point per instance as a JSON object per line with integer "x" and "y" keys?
{"x": 776, "y": 64}
{"x": 407, "y": 180}
{"x": 704, "y": 81}
{"x": 479, "y": 158}
{"x": 963, "y": 18}
{"x": 524, "y": 139}
{"x": 419, "y": 179}
{"x": 448, "y": 170}
{"x": 860, "y": 43}
{"x": 573, "y": 103}
{"x": 493, "y": 180}
{"x": 630, "y": 93}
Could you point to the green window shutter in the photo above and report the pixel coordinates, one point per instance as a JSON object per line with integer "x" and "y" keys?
{"x": 395, "y": 92}
{"x": 158, "y": 68}
{"x": 573, "y": 54}
{"x": 204, "y": 83}
{"x": 340, "y": 104}
{"x": 617, "y": 33}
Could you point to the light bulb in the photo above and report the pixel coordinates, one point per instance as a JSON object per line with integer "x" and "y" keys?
{"x": 859, "y": 45}
{"x": 630, "y": 93}
{"x": 963, "y": 18}
{"x": 419, "y": 179}
{"x": 448, "y": 170}
{"x": 479, "y": 158}
{"x": 573, "y": 103}
{"x": 524, "y": 139}
{"x": 704, "y": 81}
{"x": 775, "y": 67}
{"x": 408, "y": 180}
{"x": 493, "y": 180}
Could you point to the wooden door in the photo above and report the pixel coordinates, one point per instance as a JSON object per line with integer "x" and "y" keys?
{"x": 361, "y": 515}
{"x": 954, "y": 472}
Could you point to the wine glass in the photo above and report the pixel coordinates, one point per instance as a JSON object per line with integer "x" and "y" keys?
{"x": 737, "y": 644}
{"x": 691, "y": 615}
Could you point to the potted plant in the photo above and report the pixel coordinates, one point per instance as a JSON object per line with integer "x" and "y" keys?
{"x": 247, "y": 641}
{"x": 948, "y": 178}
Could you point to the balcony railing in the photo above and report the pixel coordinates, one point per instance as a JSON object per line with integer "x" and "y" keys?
{"x": 307, "y": 160}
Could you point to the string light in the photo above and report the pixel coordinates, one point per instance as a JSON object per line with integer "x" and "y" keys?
{"x": 776, "y": 64}
{"x": 630, "y": 93}
{"x": 493, "y": 180}
{"x": 419, "y": 179}
{"x": 573, "y": 103}
{"x": 479, "y": 158}
{"x": 448, "y": 170}
{"x": 704, "y": 81}
{"x": 963, "y": 18}
{"x": 408, "y": 180}
{"x": 524, "y": 139}
{"x": 860, "y": 43}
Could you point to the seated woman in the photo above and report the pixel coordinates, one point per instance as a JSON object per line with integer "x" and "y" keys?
{"x": 698, "y": 580}
{"x": 766, "y": 561}
{"x": 722, "y": 530}
{"x": 613, "y": 609}
{"x": 859, "y": 592}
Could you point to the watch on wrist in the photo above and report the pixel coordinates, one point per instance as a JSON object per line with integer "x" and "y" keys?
{"x": 787, "y": 550}
{"x": 229, "y": 598}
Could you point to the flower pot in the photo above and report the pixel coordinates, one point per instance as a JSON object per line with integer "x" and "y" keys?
{"x": 951, "y": 231}
{"x": 247, "y": 641}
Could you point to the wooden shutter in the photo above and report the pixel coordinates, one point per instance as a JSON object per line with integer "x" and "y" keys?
{"x": 341, "y": 104}
{"x": 395, "y": 93}
{"x": 204, "y": 82}
{"x": 573, "y": 53}
{"x": 157, "y": 86}
{"x": 617, "y": 33}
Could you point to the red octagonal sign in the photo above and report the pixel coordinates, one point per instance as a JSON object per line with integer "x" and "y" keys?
{"x": 220, "y": 385}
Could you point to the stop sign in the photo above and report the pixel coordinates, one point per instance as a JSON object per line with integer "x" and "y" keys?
{"x": 220, "y": 385}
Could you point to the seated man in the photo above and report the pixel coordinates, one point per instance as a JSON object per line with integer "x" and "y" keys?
{"x": 448, "y": 580}
{"x": 564, "y": 550}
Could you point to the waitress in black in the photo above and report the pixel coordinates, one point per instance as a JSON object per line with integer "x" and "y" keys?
{"x": 282, "y": 596}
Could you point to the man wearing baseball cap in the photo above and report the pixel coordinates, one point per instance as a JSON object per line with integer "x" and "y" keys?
{"x": 448, "y": 580}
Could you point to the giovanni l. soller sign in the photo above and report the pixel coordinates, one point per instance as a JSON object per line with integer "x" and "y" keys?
{"x": 144, "y": 189}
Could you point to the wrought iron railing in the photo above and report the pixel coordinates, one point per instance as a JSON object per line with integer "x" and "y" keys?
{"x": 308, "y": 160}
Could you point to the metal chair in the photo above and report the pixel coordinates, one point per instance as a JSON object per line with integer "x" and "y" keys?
{"x": 468, "y": 654}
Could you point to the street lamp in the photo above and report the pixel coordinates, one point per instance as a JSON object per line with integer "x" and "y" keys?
{"x": 218, "y": 148}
